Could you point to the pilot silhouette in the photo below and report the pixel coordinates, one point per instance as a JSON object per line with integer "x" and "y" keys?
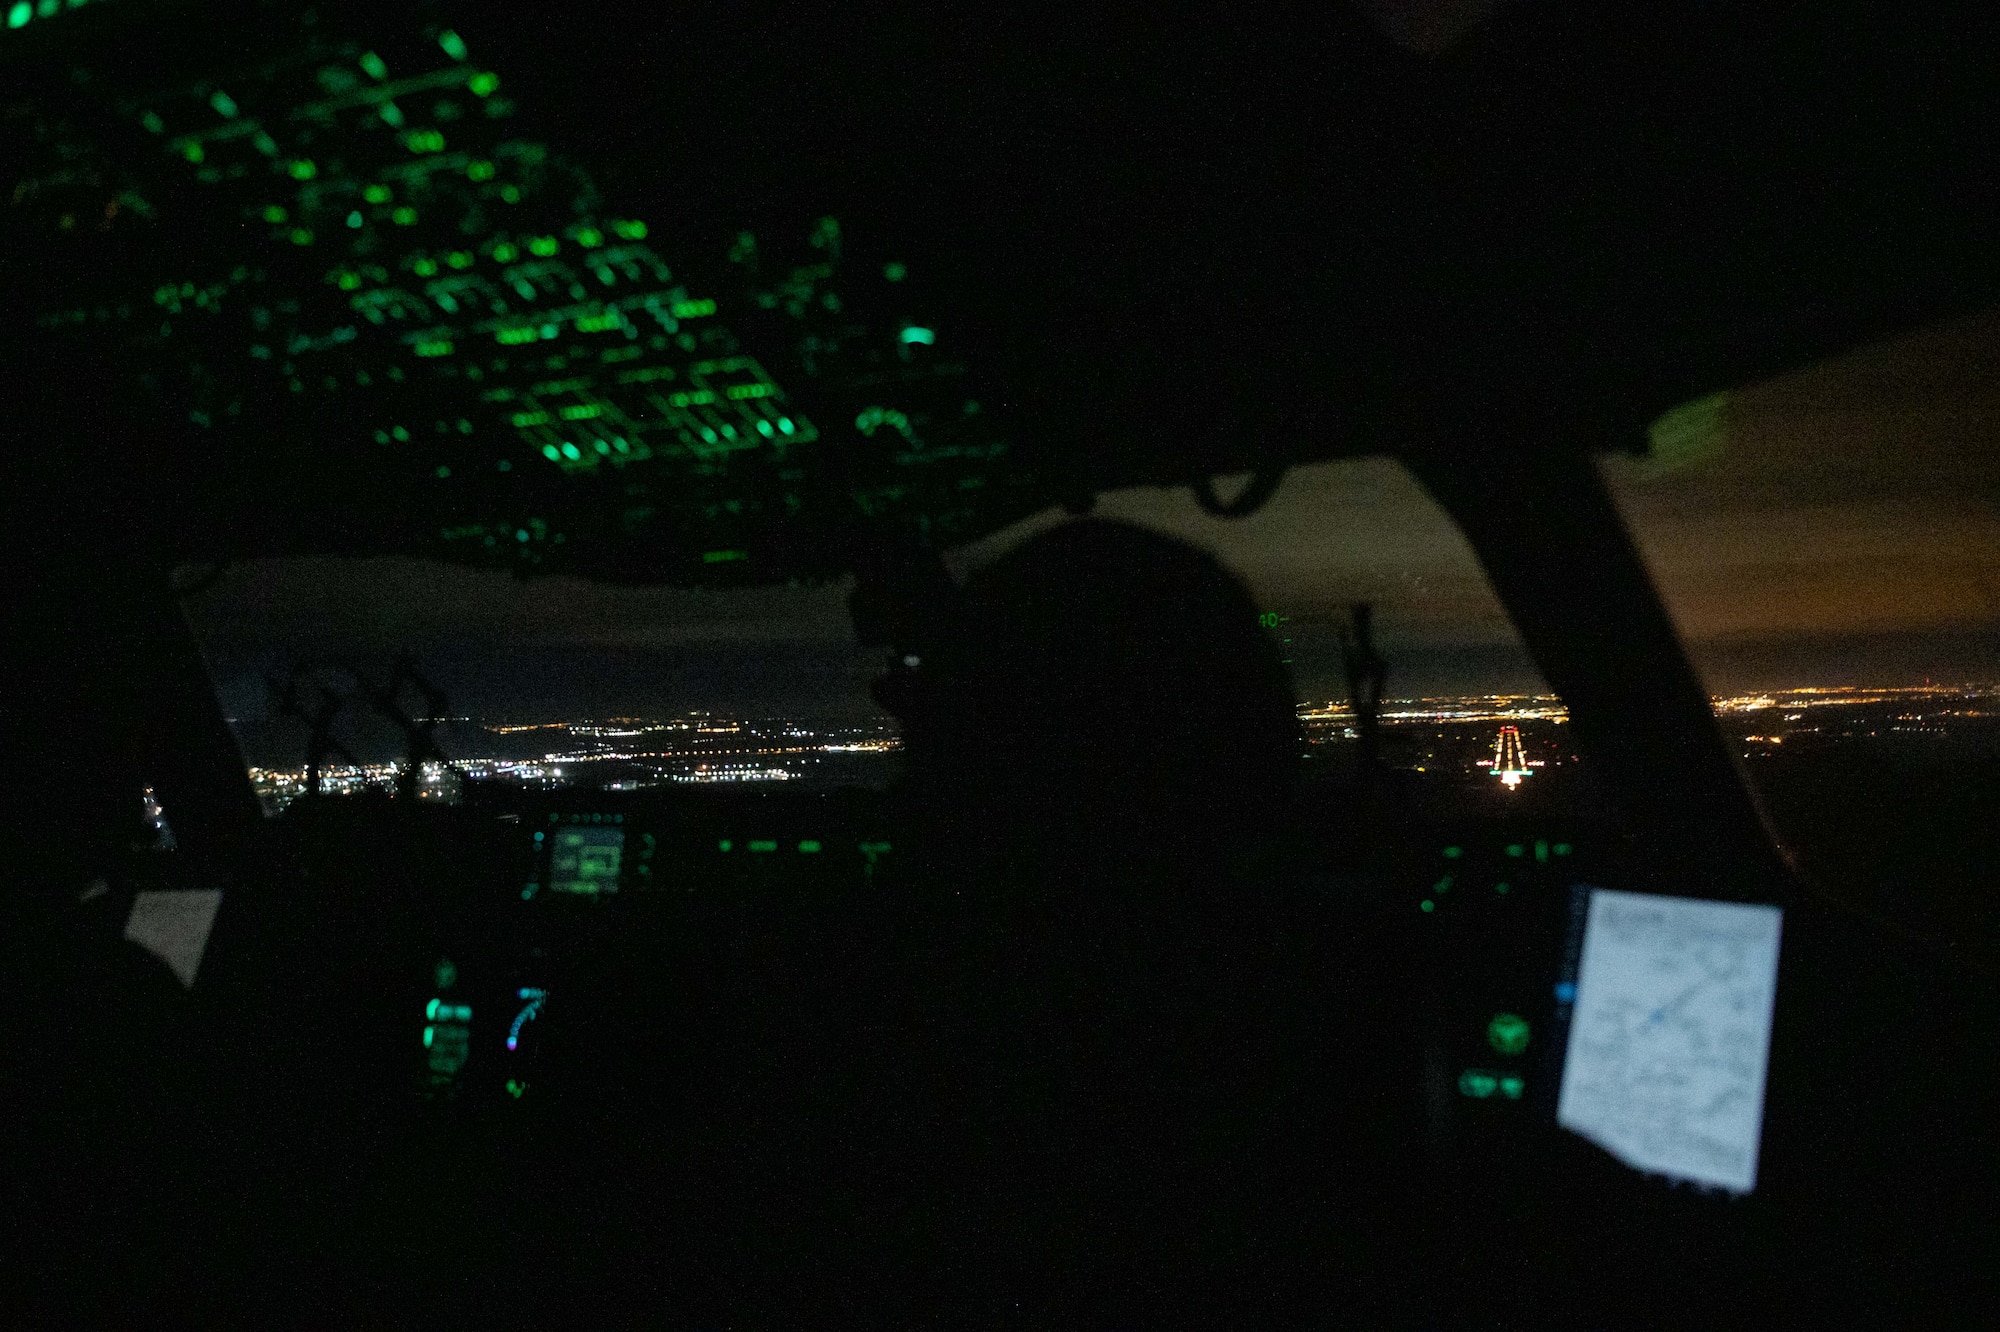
{"x": 1133, "y": 1083}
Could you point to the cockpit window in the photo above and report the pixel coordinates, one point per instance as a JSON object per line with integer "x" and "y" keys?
{"x": 1828, "y": 543}
{"x": 1363, "y": 532}
{"x": 545, "y": 683}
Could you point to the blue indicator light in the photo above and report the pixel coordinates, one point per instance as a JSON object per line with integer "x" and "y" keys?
{"x": 1566, "y": 993}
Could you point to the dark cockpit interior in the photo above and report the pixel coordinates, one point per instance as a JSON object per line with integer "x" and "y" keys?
{"x": 1106, "y": 389}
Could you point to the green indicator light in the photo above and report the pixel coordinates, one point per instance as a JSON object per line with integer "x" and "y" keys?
{"x": 454, "y": 46}
{"x": 895, "y": 272}
{"x": 372, "y": 63}
{"x": 693, "y": 309}
{"x": 303, "y": 169}
{"x": 443, "y": 472}
{"x": 224, "y": 104}
{"x": 543, "y": 246}
{"x": 301, "y": 236}
{"x": 192, "y": 152}
{"x": 764, "y": 846}
{"x": 520, "y": 534}
{"x": 724, "y": 556}
{"x": 430, "y": 1034}
{"x": 1510, "y": 1087}
{"x": 431, "y": 1010}
{"x": 403, "y": 217}
{"x": 434, "y": 349}
{"x": 1562, "y": 848}
{"x": 1442, "y": 886}
{"x": 479, "y": 170}
{"x": 424, "y": 141}
{"x": 1427, "y": 905}
{"x": 1477, "y": 1083}
{"x": 444, "y": 975}
{"x": 590, "y": 238}
{"x": 785, "y": 424}
{"x": 376, "y": 194}
{"x": 424, "y": 267}
{"x": 154, "y": 125}
{"x": 807, "y": 847}
{"x": 551, "y": 452}
{"x": 515, "y": 1087}
{"x": 354, "y": 219}
{"x": 1542, "y": 852}
{"x": 1502, "y": 888}
{"x": 1516, "y": 849}
{"x": 483, "y": 85}
{"x": 18, "y": 16}
{"x": 627, "y": 230}
{"x": 509, "y": 194}
{"x": 275, "y": 214}
{"x": 923, "y": 337}
{"x": 1507, "y": 1033}
{"x": 458, "y": 259}
{"x": 570, "y": 451}
{"x": 725, "y": 845}
{"x": 1453, "y": 852}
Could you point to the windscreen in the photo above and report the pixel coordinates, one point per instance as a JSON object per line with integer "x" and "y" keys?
{"x": 416, "y": 679}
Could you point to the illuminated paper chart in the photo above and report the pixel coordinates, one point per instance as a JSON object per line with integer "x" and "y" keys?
{"x": 1671, "y": 1034}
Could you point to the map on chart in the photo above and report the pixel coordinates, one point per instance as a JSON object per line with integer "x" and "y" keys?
{"x": 1671, "y": 1034}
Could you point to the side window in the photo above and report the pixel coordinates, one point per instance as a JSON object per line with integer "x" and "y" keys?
{"x": 1828, "y": 543}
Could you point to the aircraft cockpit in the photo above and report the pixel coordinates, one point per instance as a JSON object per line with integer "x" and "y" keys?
{"x": 500, "y": 509}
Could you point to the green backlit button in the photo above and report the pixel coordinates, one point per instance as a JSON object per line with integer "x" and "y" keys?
{"x": 1510, "y": 1087}
{"x": 1477, "y": 1083}
{"x": 1507, "y": 1033}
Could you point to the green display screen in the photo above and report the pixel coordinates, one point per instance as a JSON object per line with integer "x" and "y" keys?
{"x": 585, "y": 861}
